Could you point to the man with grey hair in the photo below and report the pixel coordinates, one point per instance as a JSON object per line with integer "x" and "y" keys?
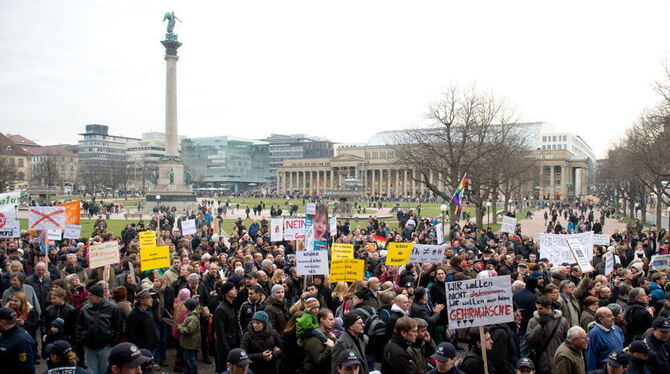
{"x": 637, "y": 316}
{"x": 568, "y": 358}
{"x": 517, "y": 285}
{"x": 604, "y": 338}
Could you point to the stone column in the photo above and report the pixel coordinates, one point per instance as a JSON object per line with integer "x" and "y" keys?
{"x": 372, "y": 191}
{"x": 552, "y": 183}
{"x": 388, "y": 182}
{"x": 396, "y": 190}
{"x": 171, "y": 140}
{"x": 332, "y": 186}
{"x": 317, "y": 181}
{"x": 404, "y": 183}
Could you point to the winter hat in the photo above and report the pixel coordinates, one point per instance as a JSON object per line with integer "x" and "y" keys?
{"x": 191, "y": 304}
{"x": 193, "y": 276}
{"x": 349, "y": 319}
{"x": 364, "y": 293}
{"x": 277, "y": 288}
{"x": 58, "y": 323}
{"x": 227, "y": 287}
{"x": 96, "y": 290}
{"x": 338, "y": 324}
{"x": 419, "y": 292}
{"x": 184, "y": 294}
{"x": 311, "y": 303}
{"x": 261, "y": 316}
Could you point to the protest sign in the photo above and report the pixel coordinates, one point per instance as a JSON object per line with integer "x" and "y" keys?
{"x": 12, "y": 198}
{"x": 423, "y": 253}
{"x": 311, "y": 262}
{"x": 54, "y": 235}
{"x": 154, "y": 258}
{"x": 579, "y": 253}
{"x": 277, "y": 229}
{"x": 72, "y": 212}
{"x": 332, "y": 225}
{"x": 599, "y": 239}
{"x": 46, "y": 218}
{"x": 310, "y": 209}
{"x": 479, "y": 302}
{"x": 609, "y": 262}
{"x": 147, "y": 239}
{"x": 294, "y": 229}
{"x": 660, "y": 262}
{"x": 554, "y": 248}
{"x": 188, "y": 227}
{"x": 439, "y": 232}
{"x": 320, "y": 246}
{"x": 103, "y": 254}
{"x": 342, "y": 251}
{"x": 508, "y": 224}
{"x": 346, "y": 270}
{"x": 309, "y": 234}
{"x": 72, "y": 231}
{"x": 398, "y": 253}
{"x": 9, "y": 225}
{"x": 371, "y": 247}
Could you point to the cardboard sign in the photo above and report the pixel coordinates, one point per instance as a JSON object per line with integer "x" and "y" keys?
{"x": 398, "y": 253}
{"x": 660, "y": 262}
{"x": 311, "y": 262}
{"x": 103, "y": 254}
{"x": 294, "y": 229}
{"x": 54, "y": 235}
{"x": 310, "y": 209}
{"x": 554, "y": 248}
{"x": 439, "y": 232}
{"x": 332, "y": 223}
{"x": 508, "y": 225}
{"x": 609, "y": 262}
{"x": 347, "y": 270}
{"x": 147, "y": 239}
{"x": 276, "y": 229}
{"x": 342, "y": 251}
{"x": 423, "y": 253}
{"x": 188, "y": 227}
{"x": 72, "y": 231}
{"x": 12, "y": 198}
{"x": 479, "y": 302}
{"x": 579, "y": 253}
{"x": 46, "y": 218}
{"x": 72, "y": 212}
{"x": 9, "y": 225}
{"x": 600, "y": 239}
{"x": 154, "y": 258}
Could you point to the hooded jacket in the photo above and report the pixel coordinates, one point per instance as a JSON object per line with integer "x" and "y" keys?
{"x": 539, "y": 333}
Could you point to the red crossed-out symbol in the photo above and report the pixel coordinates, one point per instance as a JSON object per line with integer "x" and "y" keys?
{"x": 46, "y": 216}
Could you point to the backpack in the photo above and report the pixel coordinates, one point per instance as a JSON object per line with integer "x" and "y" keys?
{"x": 375, "y": 329}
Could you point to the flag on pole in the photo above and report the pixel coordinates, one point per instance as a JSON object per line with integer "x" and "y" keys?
{"x": 380, "y": 240}
{"x": 458, "y": 196}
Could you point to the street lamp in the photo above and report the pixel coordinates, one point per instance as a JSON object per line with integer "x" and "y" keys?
{"x": 158, "y": 201}
{"x": 488, "y": 210}
{"x": 443, "y": 208}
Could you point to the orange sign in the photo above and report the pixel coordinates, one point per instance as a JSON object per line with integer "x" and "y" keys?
{"x": 72, "y": 212}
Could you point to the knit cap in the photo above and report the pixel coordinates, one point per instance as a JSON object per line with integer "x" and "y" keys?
{"x": 277, "y": 288}
{"x": 311, "y": 303}
{"x": 261, "y": 316}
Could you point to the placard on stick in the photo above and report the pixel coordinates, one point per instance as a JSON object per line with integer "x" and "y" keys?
{"x": 479, "y": 302}
{"x": 347, "y": 270}
{"x": 342, "y": 251}
{"x": 154, "y": 258}
{"x": 147, "y": 239}
{"x": 398, "y": 253}
{"x": 579, "y": 253}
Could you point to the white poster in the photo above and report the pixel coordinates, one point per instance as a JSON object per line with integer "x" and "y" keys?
{"x": 294, "y": 229}
{"x": 332, "y": 222}
{"x": 660, "y": 262}
{"x": 9, "y": 225}
{"x": 311, "y": 262}
{"x": 579, "y": 253}
{"x": 609, "y": 262}
{"x": 554, "y": 248}
{"x": 276, "y": 229}
{"x": 310, "y": 209}
{"x": 72, "y": 231}
{"x": 309, "y": 234}
{"x": 508, "y": 224}
{"x": 479, "y": 302}
{"x": 46, "y": 218}
{"x": 423, "y": 253}
{"x": 12, "y": 198}
{"x": 54, "y": 235}
{"x": 188, "y": 227}
{"x": 439, "y": 232}
{"x": 600, "y": 239}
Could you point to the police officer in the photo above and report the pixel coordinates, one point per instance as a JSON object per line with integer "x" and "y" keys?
{"x": 17, "y": 347}
{"x": 62, "y": 359}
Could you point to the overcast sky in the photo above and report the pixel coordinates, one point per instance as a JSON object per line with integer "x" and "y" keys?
{"x": 343, "y": 70}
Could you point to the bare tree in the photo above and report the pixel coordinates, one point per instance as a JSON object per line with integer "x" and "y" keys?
{"x": 10, "y": 173}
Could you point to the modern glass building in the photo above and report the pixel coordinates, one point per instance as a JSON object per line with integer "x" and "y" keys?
{"x": 226, "y": 162}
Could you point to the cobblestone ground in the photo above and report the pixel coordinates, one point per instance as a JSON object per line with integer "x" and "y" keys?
{"x": 534, "y": 226}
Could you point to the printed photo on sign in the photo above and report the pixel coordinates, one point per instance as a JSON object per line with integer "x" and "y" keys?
{"x": 579, "y": 255}
{"x": 320, "y": 224}
{"x": 479, "y": 302}
{"x": 332, "y": 222}
{"x": 276, "y": 229}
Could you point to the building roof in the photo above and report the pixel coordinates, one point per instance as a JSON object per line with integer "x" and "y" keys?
{"x": 8, "y": 147}
{"x": 51, "y": 150}
{"x": 21, "y": 140}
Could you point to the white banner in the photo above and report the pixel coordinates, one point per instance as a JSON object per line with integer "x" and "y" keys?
{"x": 479, "y": 302}
{"x": 660, "y": 262}
{"x": 277, "y": 229}
{"x": 46, "y": 218}
{"x": 508, "y": 225}
{"x": 9, "y": 225}
{"x": 555, "y": 248}
{"x": 188, "y": 227}
{"x": 439, "y": 231}
{"x": 310, "y": 209}
{"x": 579, "y": 253}
{"x": 103, "y": 254}
{"x": 54, "y": 235}
{"x": 332, "y": 223}
{"x": 311, "y": 262}
{"x": 609, "y": 262}
{"x": 600, "y": 239}
{"x": 423, "y": 253}
{"x": 12, "y": 198}
{"x": 294, "y": 229}
{"x": 72, "y": 231}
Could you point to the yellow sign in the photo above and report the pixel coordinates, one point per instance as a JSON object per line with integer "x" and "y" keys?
{"x": 347, "y": 270}
{"x": 341, "y": 251}
{"x": 398, "y": 253}
{"x": 154, "y": 258}
{"x": 147, "y": 239}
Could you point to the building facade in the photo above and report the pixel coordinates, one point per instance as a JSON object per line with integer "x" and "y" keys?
{"x": 54, "y": 166}
{"x": 102, "y": 158}
{"x": 286, "y": 147}
{"x": 225, "y": 162}
{"x": 15, "y": 165}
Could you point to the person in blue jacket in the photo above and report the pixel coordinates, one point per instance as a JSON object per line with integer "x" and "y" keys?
{"x": 604, "y": 338}
{"x": 17, "y": 347}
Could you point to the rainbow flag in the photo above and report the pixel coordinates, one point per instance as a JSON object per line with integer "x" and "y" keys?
{"x": 458, "y": 196}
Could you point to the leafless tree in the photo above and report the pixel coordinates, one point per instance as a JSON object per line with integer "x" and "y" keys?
{"x": 10, "y": 173}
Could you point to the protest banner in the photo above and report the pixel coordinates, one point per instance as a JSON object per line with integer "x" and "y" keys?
{"x": 147, "y": 239}
{"x": 660, "y": 262}
{"x": 346, "y": 270}
{"x": 9, "y": 225}
{"x": 609, "y": 262}
{"x": 154, "y": 258}
{"x": 332, "y": 225}
{"x": 439, "y": 232}
{"x": 508, "y": 225}
{"x": 600, "y": 239}
{"x": 342, "y": 251}
{"x": 103, "y": 254}
{"x": 398, "y": 253}
{"x": 294, "y": 229}
{"x": 424, "y": 253}
{"x": 311, "y": 262}
{"x": 579, "y": 253}
{"x": 188, "y": 227}
{"x": 12, "y": 198}
{"x": 54, "y": 235}
{"x": 479, "y": 302}
{"x": 72, "y": 212}
{"x": 46, "y": 218}
{"x": 72, "y": 231}
{"x": 277, "y": 229}
{"x": 554, "y": 248}
{"x": 310, "y": 209}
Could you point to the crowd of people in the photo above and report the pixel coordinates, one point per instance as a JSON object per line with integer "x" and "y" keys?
{"x": 238, "y": 304}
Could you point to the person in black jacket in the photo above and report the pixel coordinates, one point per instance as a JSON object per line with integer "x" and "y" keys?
{"x": 504, "y": 353}
{"x": 525, "y": 299}
{"x": 638, "y": 319}
{"x": 396, "y": 359}
{"x": 473, "y": 363}
{"x": 226, "y": 329}
{"x": 140, "y": 324}
{"x": 262, "y": 343}
{"x": 420, "y": 308}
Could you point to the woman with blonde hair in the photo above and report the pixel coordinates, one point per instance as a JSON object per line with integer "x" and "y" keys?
{"x": 26, "y": 316}
{"x": 277, "y": 276}
{"x": 339, "y": 295}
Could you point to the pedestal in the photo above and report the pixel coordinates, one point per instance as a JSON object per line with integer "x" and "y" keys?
{"x": 171, "y": 190}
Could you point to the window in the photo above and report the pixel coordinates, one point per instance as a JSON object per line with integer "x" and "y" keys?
{"x": 544, "y": 139}
{"x": 20, "y": 162}
{"x": 553, "y": 138}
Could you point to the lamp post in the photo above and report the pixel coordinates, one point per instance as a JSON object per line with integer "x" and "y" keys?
{"x": 158, "y": 202}
{"x": 443, "y": 208}
{"x": 488, "y": 211}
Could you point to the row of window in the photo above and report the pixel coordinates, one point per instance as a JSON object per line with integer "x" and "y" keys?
{"x": 554, "y": 146}
{"x": 554, "y": 138}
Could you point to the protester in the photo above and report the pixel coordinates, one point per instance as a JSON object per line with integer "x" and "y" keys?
{"x": 569, "y": 357}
